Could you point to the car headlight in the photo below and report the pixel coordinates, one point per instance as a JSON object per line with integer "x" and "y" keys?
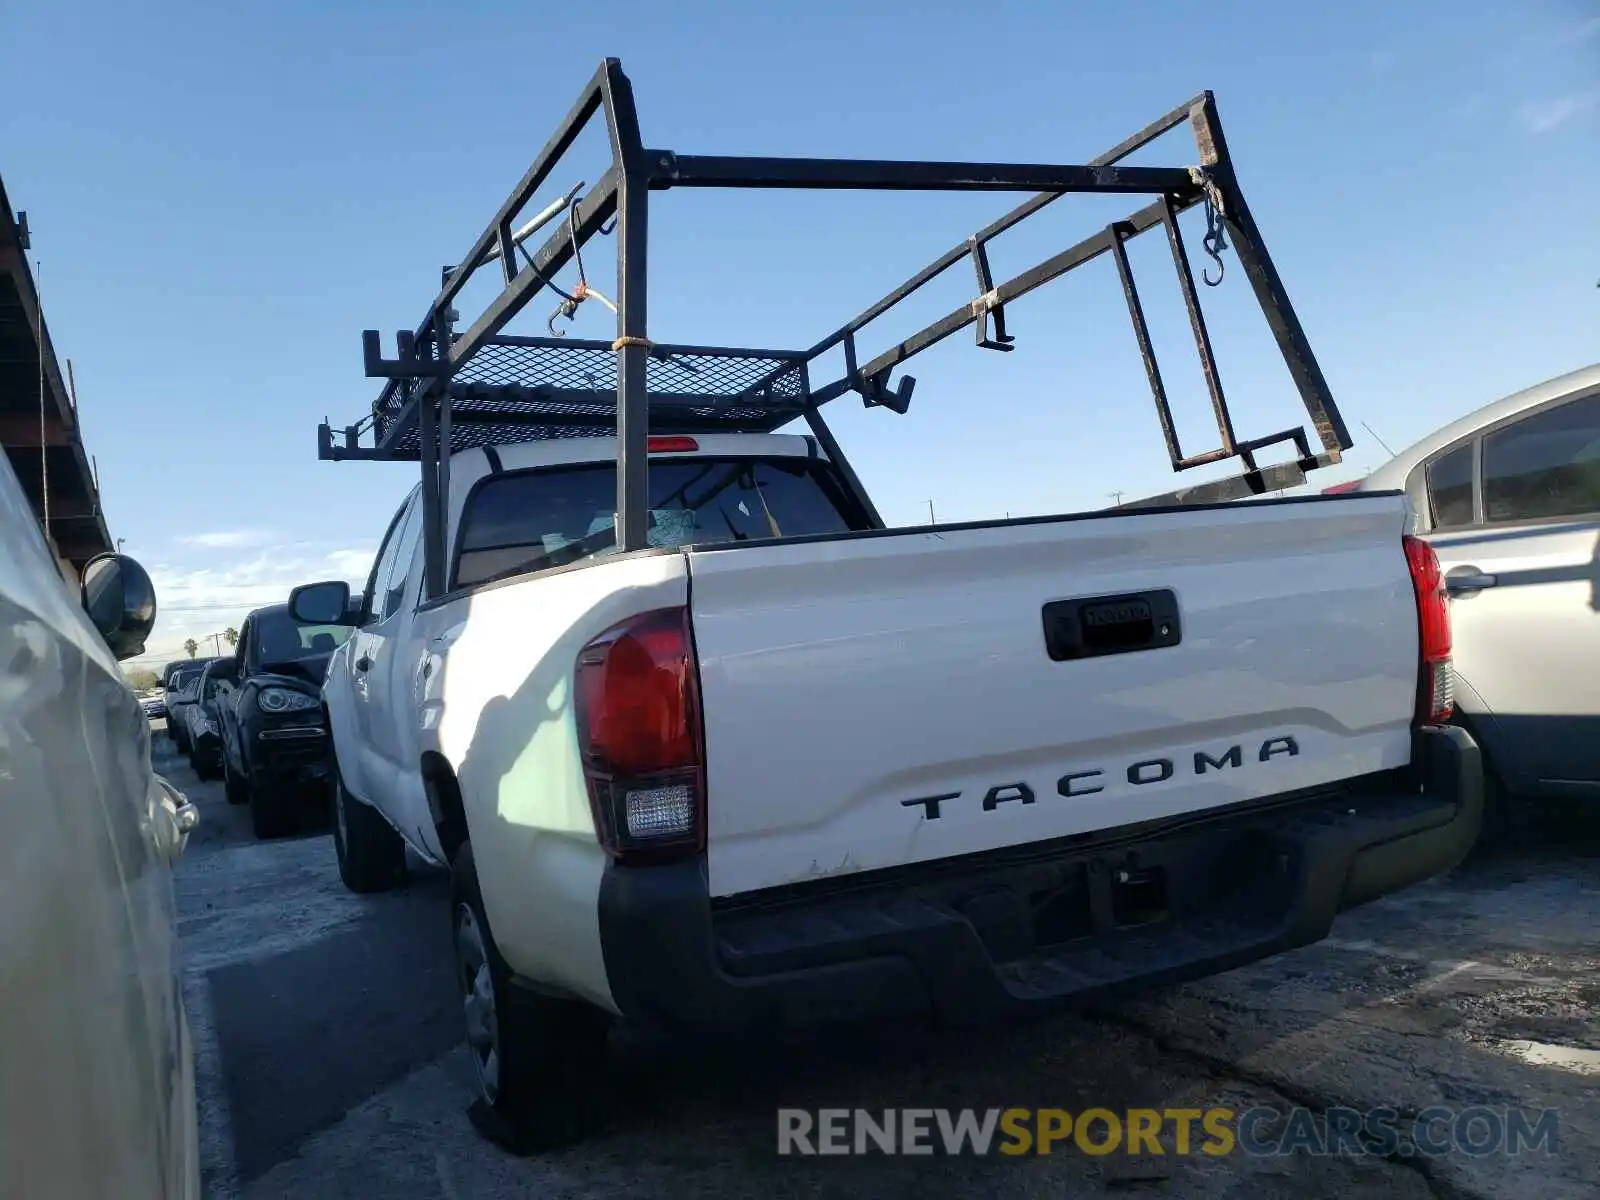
{"x": 277, "y": 700}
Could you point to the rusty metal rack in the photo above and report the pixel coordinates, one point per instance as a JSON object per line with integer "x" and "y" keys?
{"x": 449, "y": 390}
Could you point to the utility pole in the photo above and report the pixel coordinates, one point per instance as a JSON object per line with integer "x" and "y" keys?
{"x": 119, "y": 544}
{"x": 932, "y": 520}
{"x": 1116, "y": 497}
{"x": 216, "y": 643}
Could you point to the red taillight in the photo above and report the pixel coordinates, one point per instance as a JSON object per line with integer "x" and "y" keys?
{"x": 637, "y": 700}
{"x": 1336, "y": 489}
{"x": 671, "y": 445}
{"x": 1436, "y": 684}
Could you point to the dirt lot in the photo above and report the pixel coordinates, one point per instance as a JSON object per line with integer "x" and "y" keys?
{"x": 330, "y": 1063}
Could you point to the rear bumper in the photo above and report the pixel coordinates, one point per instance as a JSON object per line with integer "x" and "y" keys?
{"x": 979, "y": 939}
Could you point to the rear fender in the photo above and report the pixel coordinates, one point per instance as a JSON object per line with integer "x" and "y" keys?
{"x": 498, "y": 708}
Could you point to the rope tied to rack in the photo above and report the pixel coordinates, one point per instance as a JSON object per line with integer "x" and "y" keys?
{"x": 569, "y": 304}
{"x": 1216, "y": 238}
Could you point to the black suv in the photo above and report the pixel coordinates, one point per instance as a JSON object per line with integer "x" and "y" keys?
{"x": 274, "y": 730}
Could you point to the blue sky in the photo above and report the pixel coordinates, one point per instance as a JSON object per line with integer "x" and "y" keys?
{"x": 223, "y": 196}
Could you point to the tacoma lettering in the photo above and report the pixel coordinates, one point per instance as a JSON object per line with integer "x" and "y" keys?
{"x": 1152, "y": 770}
{"x": 1086, "y": 783}
{"x": 1233, "y": 756}
{"x": 1007, "y": 791}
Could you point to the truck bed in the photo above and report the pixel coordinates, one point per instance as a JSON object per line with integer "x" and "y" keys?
{"x": 874, "y": 700}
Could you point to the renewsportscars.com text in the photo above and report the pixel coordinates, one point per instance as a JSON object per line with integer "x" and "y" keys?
{"x": 1383, "y": 1132}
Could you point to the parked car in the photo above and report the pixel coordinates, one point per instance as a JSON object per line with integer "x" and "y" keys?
{"x": 1509, "y": 499}
{"x": 183, "y": 690}
{"x": 179, "y": 666}
{"x": 154, "y": 704}
{"x": 269, "y": 705}
{"x": 97, "y": 1069}
{"x": 203, "y": 731}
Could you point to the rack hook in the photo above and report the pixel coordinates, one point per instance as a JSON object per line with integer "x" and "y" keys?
{"x": 1216, "y": 238}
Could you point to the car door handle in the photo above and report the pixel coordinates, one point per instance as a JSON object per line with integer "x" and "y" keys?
{"x": 363, "y": 663}
{"x": 172, "y": 819}
{"x": 1468, "y": 579}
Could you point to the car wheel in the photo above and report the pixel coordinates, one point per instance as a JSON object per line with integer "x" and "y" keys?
{"x": 540, "y": 1060}
{"x": 272, "y": 815}
{"x": 1507, "y": 822}
{"x": 232, "y": 786}
{"x": 1506, "y": 817}
{"x": 372, "y": 856}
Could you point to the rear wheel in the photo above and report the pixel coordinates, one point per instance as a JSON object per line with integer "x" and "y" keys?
{"x": 272, "y": 814}
{"x": 1506, "y": 819}
{"x": 540, "y": 1060}
{"x": 372, "y": 856}
{"x": 232, "y": 786}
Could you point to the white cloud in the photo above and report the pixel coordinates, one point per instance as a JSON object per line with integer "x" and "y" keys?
{"x": 224, "y": 539}
{"x": 1582, "y": 31}
{"x": 1541, "y": 116}
{"x": 198, "y": 602}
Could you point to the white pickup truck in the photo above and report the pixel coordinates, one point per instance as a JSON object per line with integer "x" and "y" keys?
{"x": 704, "y": 744}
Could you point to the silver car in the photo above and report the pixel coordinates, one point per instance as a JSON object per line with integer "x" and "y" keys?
{"x": 96, "y": 1075}
{"x": 1509, "y": 497}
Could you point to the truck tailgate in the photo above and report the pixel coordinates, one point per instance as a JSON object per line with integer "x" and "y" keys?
{"x": 883, "y": 699}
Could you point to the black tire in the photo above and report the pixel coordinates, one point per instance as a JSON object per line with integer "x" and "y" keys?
{"x": 272, "y": 815}
{"x": 1506, "y": 819}
{"x": 1507, "y": 822}
{"x": 547, "y": 1087}
{"x": 232, "y": 786}
{"x": 372, "y": 856}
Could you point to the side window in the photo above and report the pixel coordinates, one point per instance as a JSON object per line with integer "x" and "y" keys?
{"x": 1546, "y": 465}
{"x": 242, "y": 650}
{"x": 410, "y": 535}
{"x": 1450, "y": 488}
{"x": 388, "y": 578}
{"x": 383, "y": 565}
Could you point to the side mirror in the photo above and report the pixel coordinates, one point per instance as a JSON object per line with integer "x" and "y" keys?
{"x": 325, "y": 603}
{"x": 226, "y": 669}
{"x": 121, "y": 602}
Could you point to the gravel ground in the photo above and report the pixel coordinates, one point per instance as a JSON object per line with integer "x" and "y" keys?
{"x": 330, "y": 1063}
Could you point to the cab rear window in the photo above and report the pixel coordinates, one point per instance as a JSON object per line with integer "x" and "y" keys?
{"x": 530, "y": 520}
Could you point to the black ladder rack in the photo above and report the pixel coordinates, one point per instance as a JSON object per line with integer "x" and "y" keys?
{"x": 450, "y": 390}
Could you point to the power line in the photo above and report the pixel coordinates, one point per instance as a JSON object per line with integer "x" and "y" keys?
{"x": 1376, "y": 438}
